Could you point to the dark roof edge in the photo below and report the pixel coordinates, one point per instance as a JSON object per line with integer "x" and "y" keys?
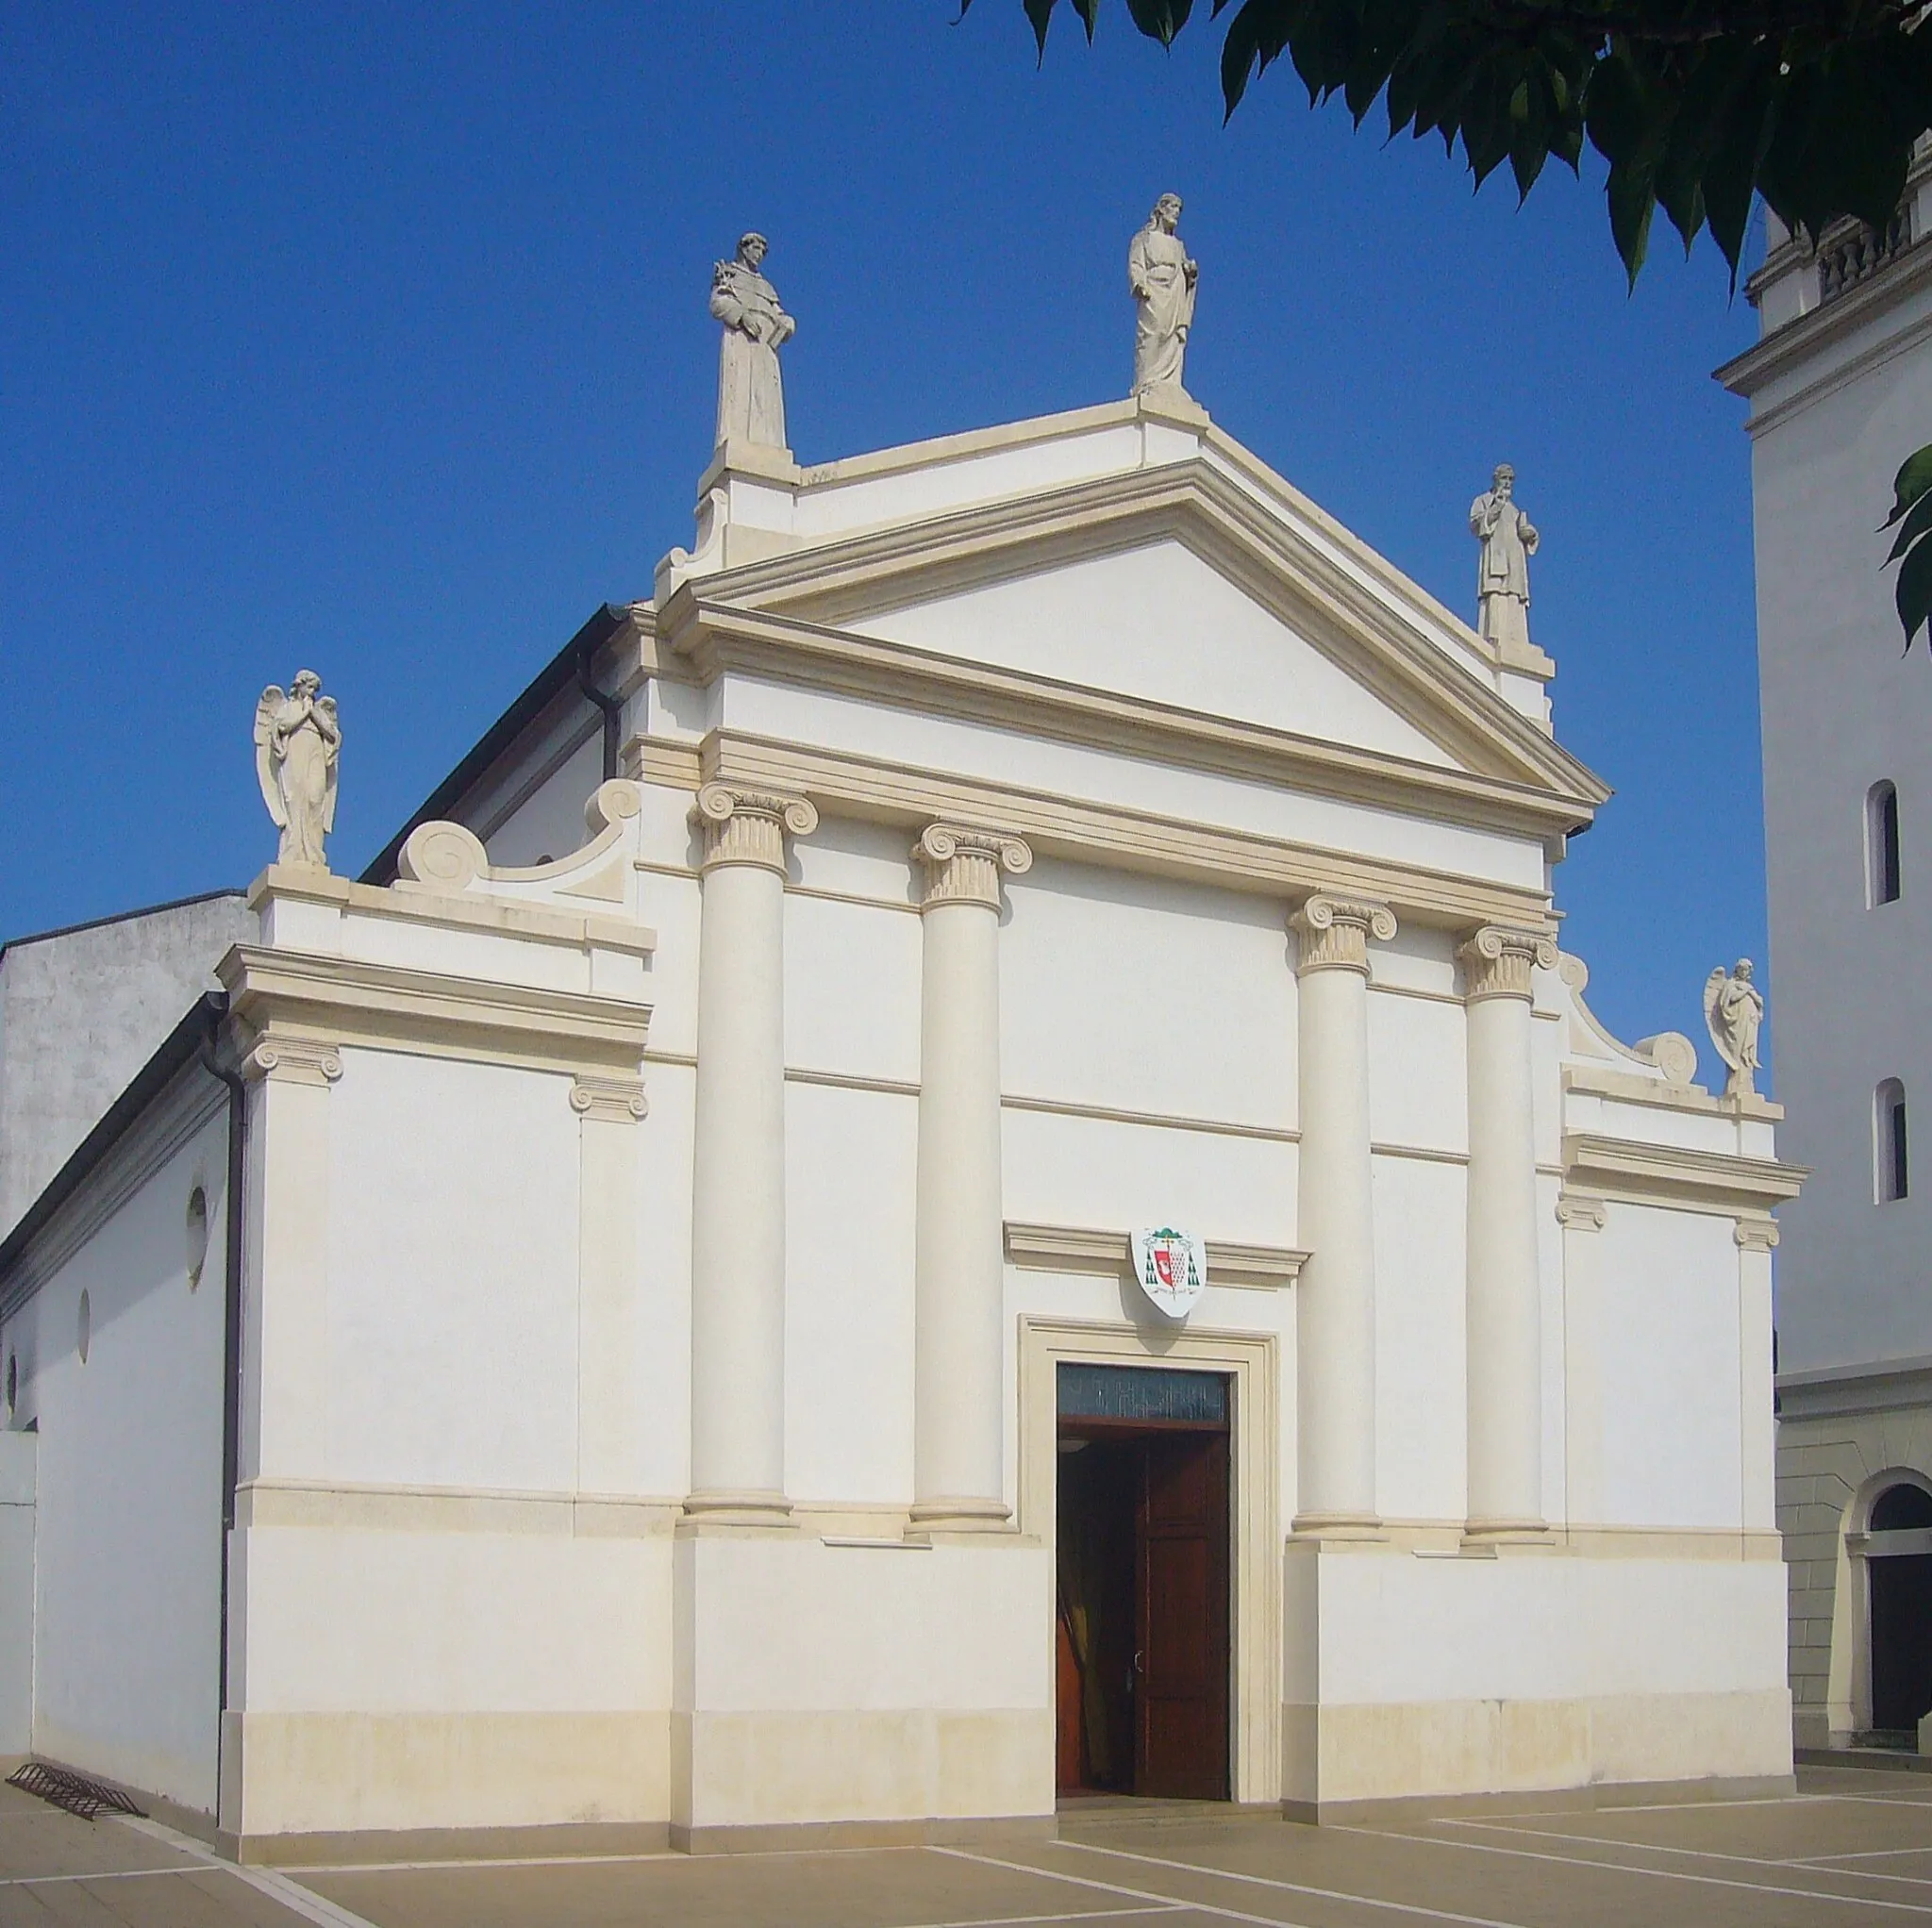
{"x": 93, "y": 923}
{"x": 175, "y": 1050}
{"x": 558, "y": 674}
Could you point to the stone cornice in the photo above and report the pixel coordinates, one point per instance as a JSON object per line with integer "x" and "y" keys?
{"x": 1497, "y": 961}
{"x": 962, "y": 865}
{"x": 1631, "y": 1087}
{"x": 1675, "y": 1177}
{"x": 1360, "y": 625}
{"x": 419, "y": 903}
{"x": 870, "y": 788}
{"x": 305, "y": 1008}
{"x": 1084, "y": 1250}
{"x": 1334, "y": 933}
{"x": 748, "y": 826}
{"x": 716, "y": 640}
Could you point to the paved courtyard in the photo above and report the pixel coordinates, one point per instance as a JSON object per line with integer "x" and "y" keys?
{"x": 1853, "y": 1846}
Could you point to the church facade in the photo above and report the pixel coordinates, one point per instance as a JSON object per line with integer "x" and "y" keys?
{"x": 987, "y": 1180}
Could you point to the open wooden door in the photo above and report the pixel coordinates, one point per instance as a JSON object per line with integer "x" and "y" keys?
{"x": 1181, "y": 1663}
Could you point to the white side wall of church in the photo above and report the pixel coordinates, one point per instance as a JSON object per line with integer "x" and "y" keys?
{"x": 126, "y": 1650}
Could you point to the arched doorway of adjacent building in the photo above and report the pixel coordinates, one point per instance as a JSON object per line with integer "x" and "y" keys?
{"x": 1898, "y": 1571}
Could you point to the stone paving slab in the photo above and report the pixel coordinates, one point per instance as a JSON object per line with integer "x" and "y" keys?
{"x": 1853, "y": 1848}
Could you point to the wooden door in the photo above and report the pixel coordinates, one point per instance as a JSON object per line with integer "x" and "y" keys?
{"x": 1181, "y": 1615}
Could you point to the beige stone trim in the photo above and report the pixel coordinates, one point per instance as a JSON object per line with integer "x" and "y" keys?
{"x": 662, "y": 761}
{"x": 1153, "y": 1120}
{"x": 1081, "y": 1249}
{"x": 610, "y": 1101}
{"x": 716, "y": 640}
{"x": 296, "y": 1061}
{"x": 1273, "y": 560}
{"x": 419, "y": 904}
{"x": 369, "y": 1507}
{"x": 961, "y": 864}
{"x": 1334, "y": 933}
{"x": 1756, "y": 1234}
{"x": 1581, "y": 1214}
{"x": 1679, "y": 1179}
{"x": 297, "y": 1002}
{"x": 1632, "y": 1089}
{"x": 1254, "y": 1361}
{"x": 1498, "y": 962}
{"x": 849, "y": 784}
{"x": 748, "y": 826}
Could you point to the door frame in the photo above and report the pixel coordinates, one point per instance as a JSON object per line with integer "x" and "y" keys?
{"x": 1252, "y": 1360}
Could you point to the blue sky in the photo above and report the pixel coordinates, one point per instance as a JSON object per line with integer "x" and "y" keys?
{"x": 376, "y": 340}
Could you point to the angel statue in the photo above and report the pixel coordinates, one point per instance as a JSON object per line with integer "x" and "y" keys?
{"x": 299, "y": 741}
{"x": 1734, "y": 1009}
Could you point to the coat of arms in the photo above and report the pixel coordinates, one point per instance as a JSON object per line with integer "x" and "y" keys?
{"x": 1171, "y": 1268}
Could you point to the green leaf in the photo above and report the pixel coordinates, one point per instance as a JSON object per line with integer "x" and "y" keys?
{"x": 1913, "y": 594}
{"x": 1918, "y": 521}
{"x": 1910, "y": 485}
{"x": 1159, "y": 19}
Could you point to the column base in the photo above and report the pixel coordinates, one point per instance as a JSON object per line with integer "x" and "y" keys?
{"x": 950, "y": 1516}
{"x": 1337, "y": 1526}
{"x": 720, "y": 1507}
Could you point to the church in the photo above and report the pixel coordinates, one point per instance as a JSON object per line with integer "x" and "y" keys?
{"x": 957, "y": 1166}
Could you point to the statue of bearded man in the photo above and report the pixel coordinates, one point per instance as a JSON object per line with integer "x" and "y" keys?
{"x": 751, "y": 397}
{"x": 1161, "y": 277}
{"x": 1509, "y": 539}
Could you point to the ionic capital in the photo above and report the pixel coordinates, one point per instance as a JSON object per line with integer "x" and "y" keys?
{"x": 295, "y": 1061}
{"x": 748, "y": 826}
{"x": 962, "y": 864}
{"x": 1578, "y": 1213}
{"x": 1496, "y": 961}
{"x": 1755, "y": 1235}
{"x": 1334, "y": 933}
{"x": 613, "y": 1101}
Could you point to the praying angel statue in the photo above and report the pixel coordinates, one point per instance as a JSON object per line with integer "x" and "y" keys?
{"x": 299, "y": 741}
{"x": 1734, "y": 1009}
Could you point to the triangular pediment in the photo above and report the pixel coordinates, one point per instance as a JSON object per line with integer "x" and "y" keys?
{"x": 1177, "y": 586}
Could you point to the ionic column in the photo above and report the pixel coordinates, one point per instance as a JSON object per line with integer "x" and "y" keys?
{"x": 1502, "y": 1295}
{"x": 738, "y": 1177}
{"x": 1336, "y": 1313}
{"x": 958, "y": 1410}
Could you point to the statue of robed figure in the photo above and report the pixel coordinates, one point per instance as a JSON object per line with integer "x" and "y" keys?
{"x": 1508, "y": 539}
{"x": 299, "y": 741}
{"x": 1162, "y": 280}
{"x": 751, "y": 396}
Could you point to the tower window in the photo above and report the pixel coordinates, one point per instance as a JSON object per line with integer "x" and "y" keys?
{"x": 1881, "y": 844}
{"x": 1890, "y": 1157}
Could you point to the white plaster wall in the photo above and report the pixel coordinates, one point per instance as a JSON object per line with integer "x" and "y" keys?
{"x": 663, "y": 1322}
{"x": 1420, "y": 1339}
{"x": 1147, "y": 995}
{"x": 1669, "y": 1364}
{"x": 1418, "y": 1073}
{"x": 1158, "y": 621}
{"x": 452, "y": 1275}
{"x": 851, "y": 988}
{"x": 127, "y": 1651}
{"x": 549, "y": 822}
{"x": 849, "y": 1161}
{"x": 1850, "y": 1004}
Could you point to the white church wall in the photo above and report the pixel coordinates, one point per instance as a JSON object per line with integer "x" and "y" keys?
{"x": 127, "y": 1568}
{"x": 1669, "y": 1343}
{"x": 851, "y": 988}
{"x": 1147, "y": 995}
{"x": 849, "y": 1158}
{"x": 1420, "y": 1344}
{"x": 1160, "y": 623}
{"x": 663, "y": 1323}
{"x": 1418, "y": 1080}
{"x": 547, "y": 820}
{"x": 451, "y": 1274}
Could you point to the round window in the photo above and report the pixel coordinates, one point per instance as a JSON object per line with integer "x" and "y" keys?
{"x": 197, "y": 1236}
{"x": 87, "y": 1325}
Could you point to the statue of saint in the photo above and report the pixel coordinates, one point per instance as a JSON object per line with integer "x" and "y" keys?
{"x": 1734, "y": 1009}
{"x": 1508, "y": 539}
{"x": 1163, "y": 279}
{"x": 751, "y": 398}
{"x": 298, "y": 742}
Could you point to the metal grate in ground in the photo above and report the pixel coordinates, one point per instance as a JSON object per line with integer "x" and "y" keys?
{"x": 75, "y": 1794}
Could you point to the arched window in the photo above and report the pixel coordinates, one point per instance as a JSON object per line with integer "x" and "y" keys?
{"x": 1901, "y": 1506}
{"x": 1881, "y": 844}
{"x": 1890, "y": 1167}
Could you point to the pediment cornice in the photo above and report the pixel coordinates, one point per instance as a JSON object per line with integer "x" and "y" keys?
{"x": 1294, "y": 572}
{"x": 699, "y": 641}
